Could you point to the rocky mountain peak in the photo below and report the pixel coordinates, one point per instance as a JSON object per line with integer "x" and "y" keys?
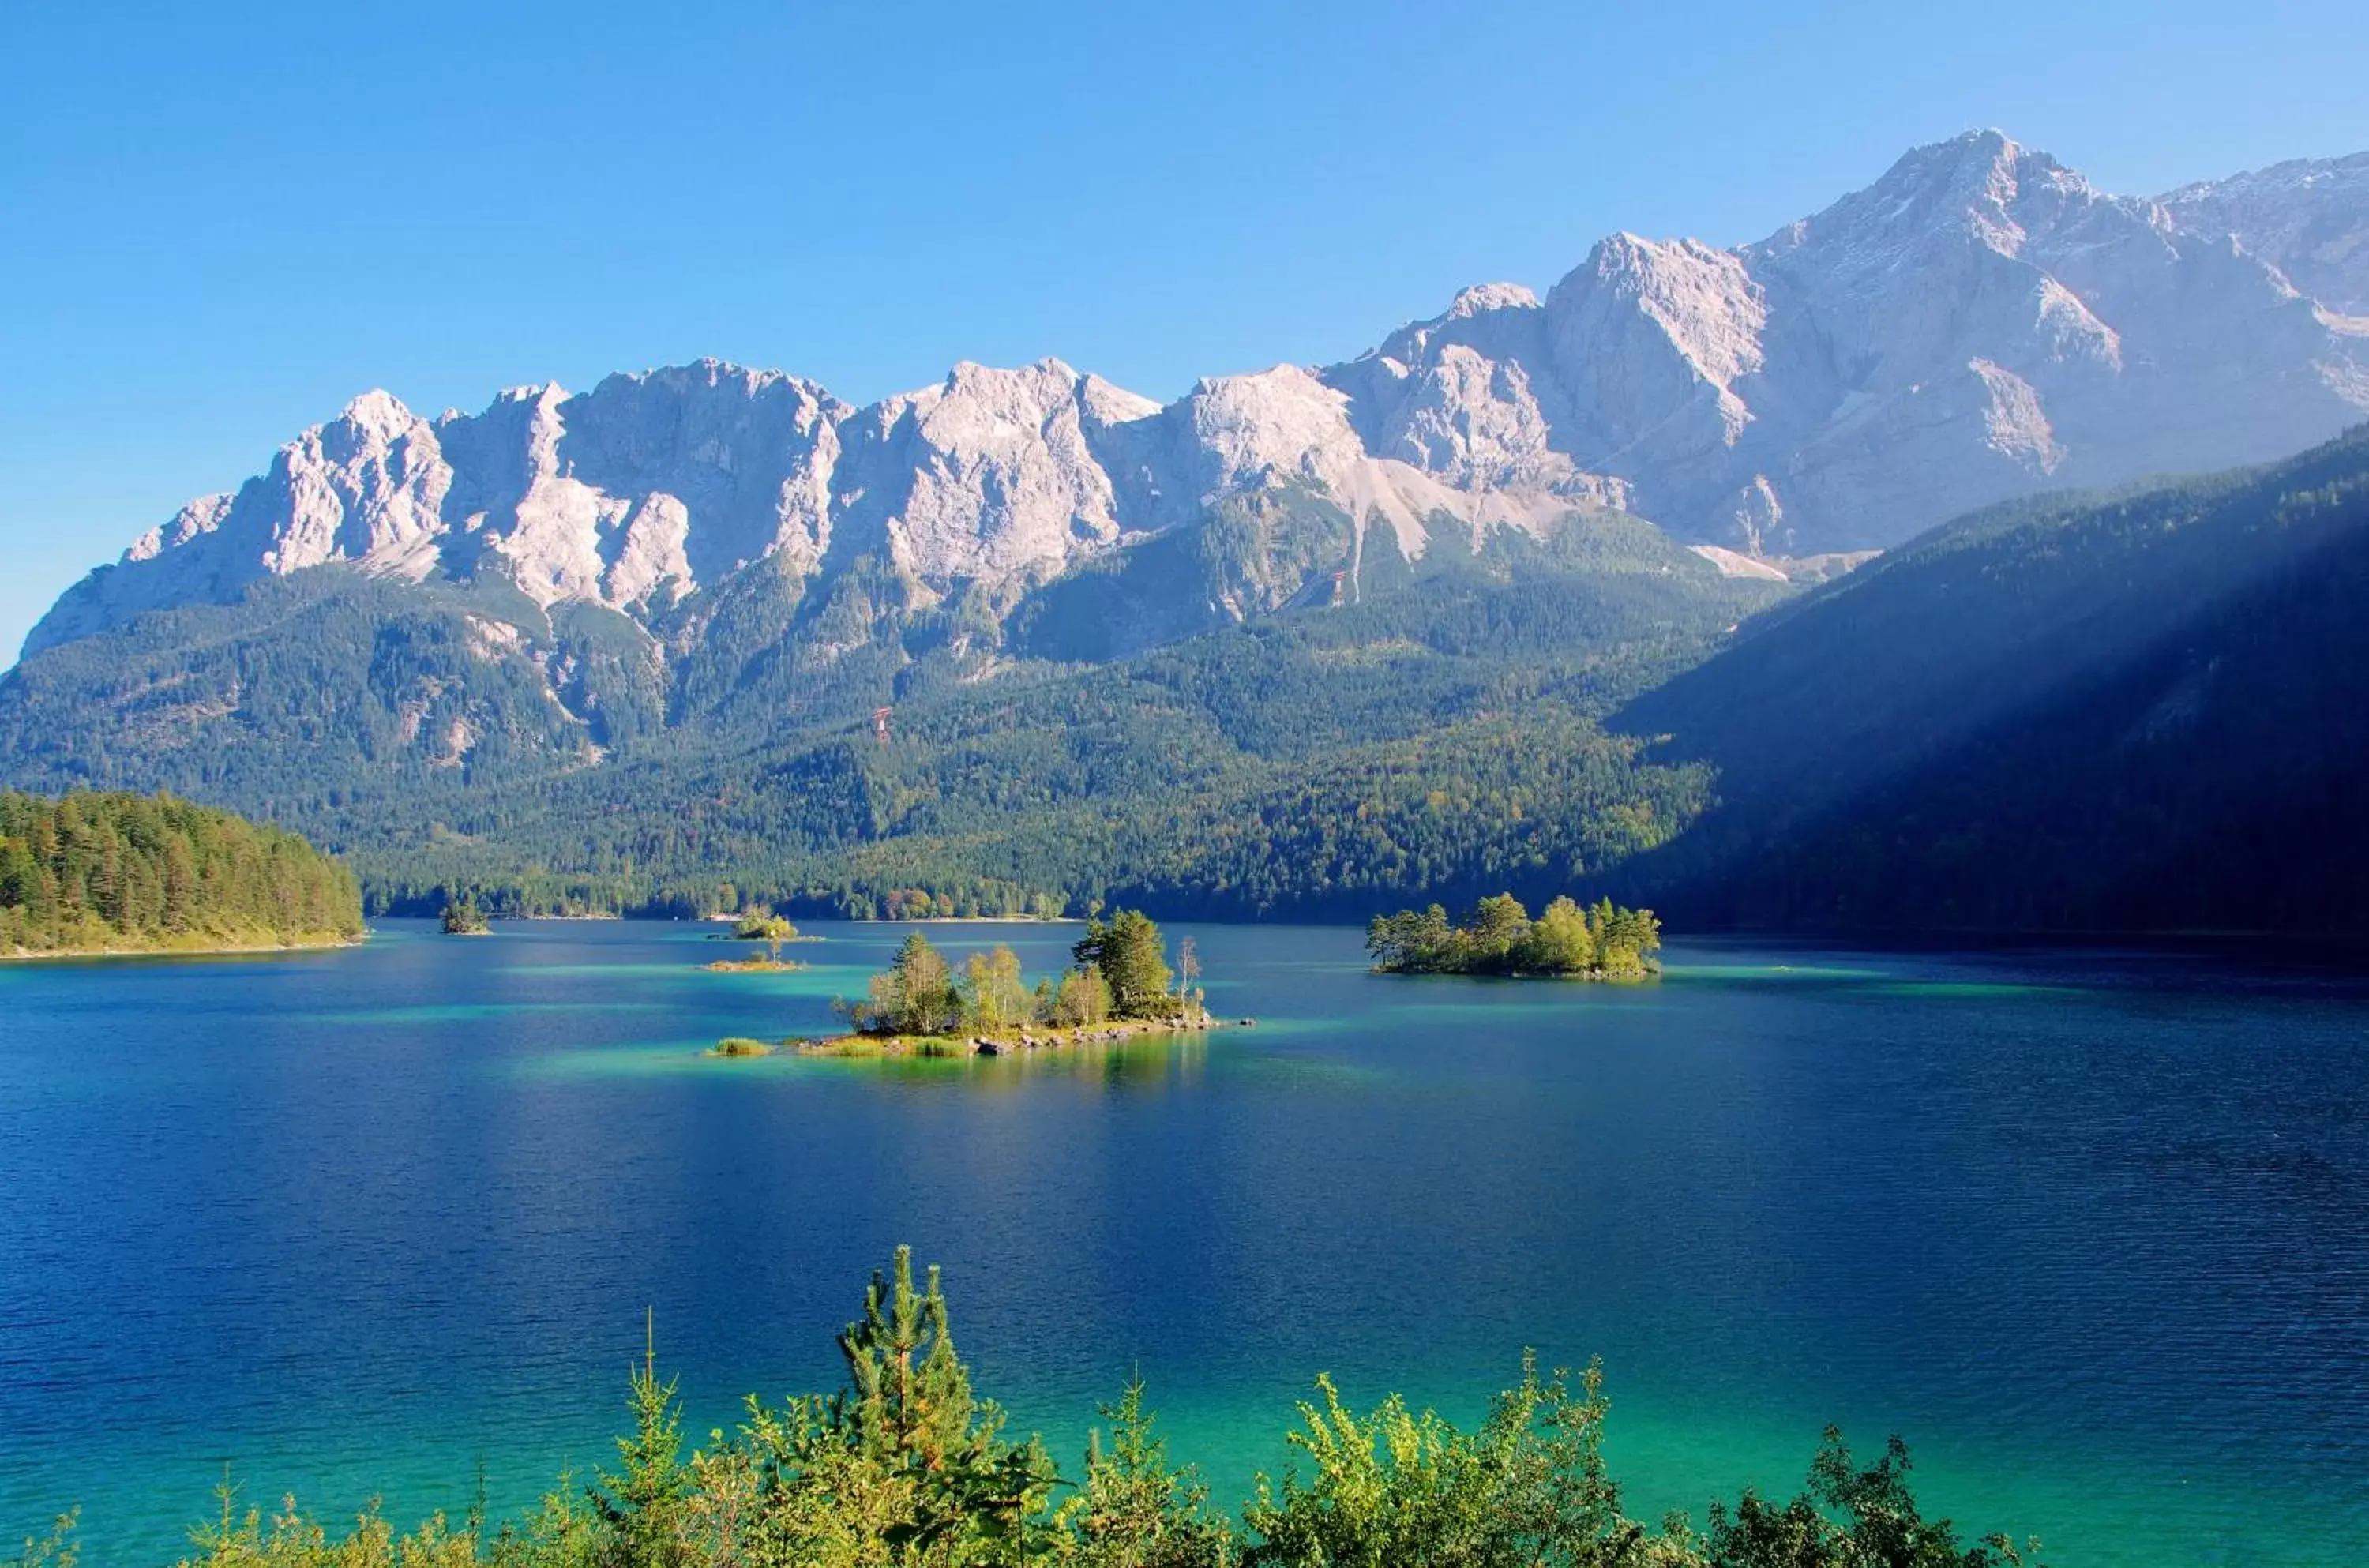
{"x": 376, "y": 414}
{"x": 1702, "y": 302}
{"x": 1980, "y": 188}
{"x": 1482, "y": 298}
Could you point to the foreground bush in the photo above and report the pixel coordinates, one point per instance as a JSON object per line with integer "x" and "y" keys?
{"x": 906, "y": 1467}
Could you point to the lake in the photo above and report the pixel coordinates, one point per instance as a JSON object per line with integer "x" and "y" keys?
{"x": 2090, "y": 1229}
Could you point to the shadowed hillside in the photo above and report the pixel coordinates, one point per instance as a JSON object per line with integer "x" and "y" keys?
{"x": 2146, "y": 710}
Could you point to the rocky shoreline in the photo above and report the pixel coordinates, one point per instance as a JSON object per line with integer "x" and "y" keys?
{"x": 1017, "y": 1042}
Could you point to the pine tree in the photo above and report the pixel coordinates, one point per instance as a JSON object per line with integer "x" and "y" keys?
{"x": 1132, "y": 1511}
{"x": 647, "y": 1504}
{"x": 1133, "y": 959}
{"x": 910, "y": 1408}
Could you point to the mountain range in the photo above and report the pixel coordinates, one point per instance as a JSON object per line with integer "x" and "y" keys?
{"x": 1298, "y": 639}
{"x": 1980, "y": 323}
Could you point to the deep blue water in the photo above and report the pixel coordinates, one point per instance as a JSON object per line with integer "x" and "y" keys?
{"x": 2091, "y": 1229}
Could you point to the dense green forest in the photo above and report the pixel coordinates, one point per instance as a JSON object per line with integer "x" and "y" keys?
{"x": 906, "y": 1466}
{"x": 1438, "y": 734}
{"x": 97, "y": 873}
{"x": 2140, "y": 710}
{"x": 1602, "y": 942}
{"x": 2144, "y": 710}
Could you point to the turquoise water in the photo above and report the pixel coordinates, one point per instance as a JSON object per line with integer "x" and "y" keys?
{"x": 2091, "y": 1229}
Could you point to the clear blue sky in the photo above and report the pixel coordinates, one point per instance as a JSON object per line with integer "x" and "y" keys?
{"x": 217, "y": 224}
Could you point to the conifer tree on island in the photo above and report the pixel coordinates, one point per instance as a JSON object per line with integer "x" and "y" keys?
{"x": 1133, "y": 958}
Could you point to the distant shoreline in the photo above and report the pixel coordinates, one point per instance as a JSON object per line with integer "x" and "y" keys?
{"x": 306, "y": 944}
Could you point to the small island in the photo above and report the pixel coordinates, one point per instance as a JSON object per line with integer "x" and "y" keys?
{"x": 463, "y": 917}
{"x": 1567, "y": 941}
{"x": 1119, "y": 984}
{"x": 760, "y": 925}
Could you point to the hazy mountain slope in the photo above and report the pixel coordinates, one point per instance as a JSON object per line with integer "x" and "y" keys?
{"x": 2140, "y": 710}
{"x": 2307, "y": 217}
{"x": 1978, "y": 324}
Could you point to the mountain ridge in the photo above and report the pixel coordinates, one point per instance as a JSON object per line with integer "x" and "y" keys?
{"x": 1978, "y": 323}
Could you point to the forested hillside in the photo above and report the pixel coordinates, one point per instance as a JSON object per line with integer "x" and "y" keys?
{"x": 92, "y": 873}
{"x": 2142, "y": 711}
{"x": 1432, "y": 732}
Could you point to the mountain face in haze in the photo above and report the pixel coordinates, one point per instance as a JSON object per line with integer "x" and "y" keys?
{"x": 1980, "y": 323}
{"x": 2308, "y": 217}
{"x": 646, "y": 490}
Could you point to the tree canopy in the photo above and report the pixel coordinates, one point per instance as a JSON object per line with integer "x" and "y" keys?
{"x": 1132, "y": 958}
{"x": 1603, "y": 941}
{"x": 89, "y": 872}
{"x": 1121, "y": 971}
{"x": 462, "y": 917}
{"x": 1437, "y": 736}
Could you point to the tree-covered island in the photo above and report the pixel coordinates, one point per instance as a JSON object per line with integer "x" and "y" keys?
{"x": 462, "y": 917}
{"x": 771, "y": 929}
{"x": 1120, "y": 983}
{"x": 1599, "y": 942}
